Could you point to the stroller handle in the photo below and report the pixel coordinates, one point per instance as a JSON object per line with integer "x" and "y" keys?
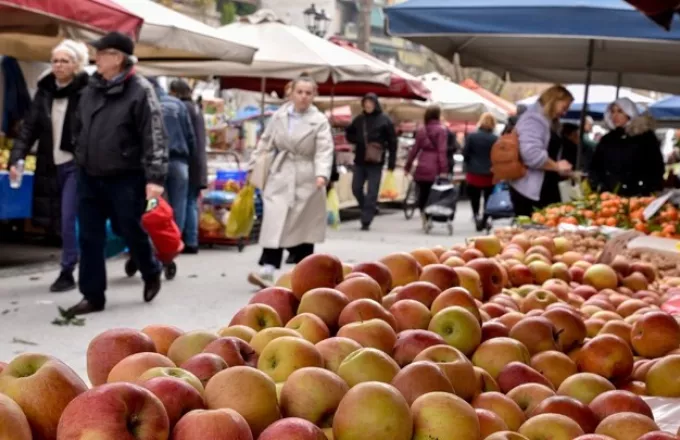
{"x": 442, "y": 180}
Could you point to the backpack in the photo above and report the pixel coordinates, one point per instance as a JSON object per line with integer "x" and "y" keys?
{"x": 506, "y": 161}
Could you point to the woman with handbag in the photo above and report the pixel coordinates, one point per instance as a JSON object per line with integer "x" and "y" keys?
{"x": 292, "y": 166}
{"x": 430, "y": 150}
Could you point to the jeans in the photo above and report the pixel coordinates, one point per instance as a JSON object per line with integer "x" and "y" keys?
{"x": 122, "y": 199}
{"x": 191, "y": 223}
{"x": 368, "y": 201}
{"x": 177, "y": 188}
{"x": 67, "y": 174}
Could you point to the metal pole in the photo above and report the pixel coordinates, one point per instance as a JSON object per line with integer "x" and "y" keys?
{"x": 263, "y": 90}
{"x": 619, "y": 79}
{"x": 584, "y": 110}
{"x": 332, "y": 103}
{"x": 364, "y": 34}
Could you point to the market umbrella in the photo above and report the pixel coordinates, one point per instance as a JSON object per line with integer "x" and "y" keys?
{"x": 667, "y": 109}
{"x": 507, "y": 106}
{"x": 661, "y": 11}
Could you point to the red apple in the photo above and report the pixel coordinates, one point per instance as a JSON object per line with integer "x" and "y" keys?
{"x": 292, "y": 428}
{"x": 176, "y": 395}
{"x": 204, "y": 366}
{"x": 133, "y": 366}
{"x": 335, "y": 350}
{"x": 280, "y": 299}
{"x": 162, "y": 336}
{"x": 310, "y": 327}
{"x": 325, "y": 303}
{"x": 257, "y": 317}
{"x": 410, "y": 315}
{"x": 234, "y": 351}
{"x": 359, "y": 287}
{"x": 217, "y": 424}
{"x": 517, "y": 373}
{"x": 364, "y": 309}
{"x": 655, "y": 334}
{"x": 13, "y": 422}
{"x": 420, "y": 378}
{"x": 189, "y": 345}
{"x": 421, "y": 291}
{"x": 608, "y": 356}
{"x": 440, "y": 275}
{"x": 570, "y": 407}
{"x": 490, "y": 274}
{"x": 410, "y": 343}
{"x": 317, "y": 270}
{"x": 111, "y": 347}
{"x": 379, "y": 272}
{"x": 613, "y": 402}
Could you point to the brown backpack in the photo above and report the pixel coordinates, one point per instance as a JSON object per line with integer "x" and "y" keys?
{"x": 506, "y": 162}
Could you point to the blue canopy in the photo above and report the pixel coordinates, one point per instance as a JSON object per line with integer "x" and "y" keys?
{"x": 666, "y": 109}
{"x": 546, "y": 40}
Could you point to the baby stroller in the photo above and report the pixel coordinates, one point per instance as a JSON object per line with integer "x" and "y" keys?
{"x": 441, "y": 205}
{"x": 499, "y": 206}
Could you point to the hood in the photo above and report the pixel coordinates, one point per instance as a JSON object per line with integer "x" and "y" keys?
{"x": 625, "y": 104}
{"x": 640, "y": 125}
{"x": 373, "y": 97}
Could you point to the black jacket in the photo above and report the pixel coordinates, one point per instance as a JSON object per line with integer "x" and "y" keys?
{"x": 38, "y": 127}
{"x": 198, "y": 162}
{"x": 629, "y": 161}
{"x": 121, "y": 129}
{"x": 378, "y": 128}
{"x": 477, "y": 152}
{"x": 569, "y": 153}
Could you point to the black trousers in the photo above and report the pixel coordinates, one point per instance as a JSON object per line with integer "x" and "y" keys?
{"x": 475, "y": 193}
{"x": 274, "y": 257}
{"x": 123, "y": 200}
{"x": 367, "y": 199}
{"x": 424, "y": 189}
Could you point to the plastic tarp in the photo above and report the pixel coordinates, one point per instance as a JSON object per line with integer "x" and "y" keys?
{"x": 666, "y": 109}
{"x": 661, "y": 11}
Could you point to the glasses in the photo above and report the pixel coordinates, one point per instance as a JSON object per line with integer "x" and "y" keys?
{"x": 61, "y": 61}
{"x": 108, "y": 52}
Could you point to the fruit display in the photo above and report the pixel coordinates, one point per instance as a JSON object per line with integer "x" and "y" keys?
{"x": 6, "y": 145}
{"x": 517, "y": 338}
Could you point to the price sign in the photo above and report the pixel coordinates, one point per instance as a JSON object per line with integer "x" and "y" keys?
{"x": 657, "y": 204}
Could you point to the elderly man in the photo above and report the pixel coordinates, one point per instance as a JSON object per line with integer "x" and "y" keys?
{"x": 122, "y": 154}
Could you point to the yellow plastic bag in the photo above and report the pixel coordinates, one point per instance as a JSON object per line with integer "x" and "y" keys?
{"x": 388, "y": 190}
{"x": 242, "y": 214}
{"x": 333, "y": 208}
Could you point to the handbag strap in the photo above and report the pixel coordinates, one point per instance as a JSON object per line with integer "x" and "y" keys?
{"x": 365, "y": 130}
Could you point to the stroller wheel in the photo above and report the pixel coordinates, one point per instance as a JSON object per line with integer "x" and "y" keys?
{"x": 130, "y": 268}
{"x": 170, "y": 270}
{"x": 428, "y": 226}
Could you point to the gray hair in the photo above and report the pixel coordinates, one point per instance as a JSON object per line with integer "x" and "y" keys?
{"x": 77, "y": 51}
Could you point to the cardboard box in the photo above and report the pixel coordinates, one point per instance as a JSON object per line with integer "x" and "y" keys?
{"x": 213, "y": 106}
{"x": 218, "y": 138}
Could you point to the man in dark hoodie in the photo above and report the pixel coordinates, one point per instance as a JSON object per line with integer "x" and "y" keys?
{"x": 373, "y": 134}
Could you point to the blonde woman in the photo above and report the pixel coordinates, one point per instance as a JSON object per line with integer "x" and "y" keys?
{"x": 295, "y": 195}
{"x": 51, "y": 123}
{"x": 539, "y": 145}
{"x": 477, "y": 160}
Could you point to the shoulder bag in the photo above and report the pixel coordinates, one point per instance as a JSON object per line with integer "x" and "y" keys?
{"x": 262, "y": 166}
{"x": 374, "y": 150}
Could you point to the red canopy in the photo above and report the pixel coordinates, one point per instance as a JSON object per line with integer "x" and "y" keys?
{"x": 32, "y": 16}
{"x": 508, "y": 106}
{"x": 661, "y": 11}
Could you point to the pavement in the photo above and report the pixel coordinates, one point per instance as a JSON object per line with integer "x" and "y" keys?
{"x": 209, "y": 288}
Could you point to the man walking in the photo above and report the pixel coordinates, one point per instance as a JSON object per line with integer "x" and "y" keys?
{"x": 122, "y": 154}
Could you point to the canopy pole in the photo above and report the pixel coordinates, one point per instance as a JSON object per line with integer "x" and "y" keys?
{"x": 332, "y": 104}
{"x": 584, "y": 110}
{"x": 619, "y": 79}
{"x": 263, "y": 90}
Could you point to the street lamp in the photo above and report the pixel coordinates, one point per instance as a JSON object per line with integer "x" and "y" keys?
{"x": 316, "y": 21}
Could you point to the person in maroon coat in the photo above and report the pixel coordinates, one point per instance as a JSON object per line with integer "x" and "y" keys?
{"x": 430, "y": 151}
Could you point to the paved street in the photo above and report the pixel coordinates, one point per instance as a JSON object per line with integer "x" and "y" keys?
{"x": 208, "y": 290}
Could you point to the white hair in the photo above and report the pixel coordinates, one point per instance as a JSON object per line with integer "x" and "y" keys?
{"x": 77, "y": 51}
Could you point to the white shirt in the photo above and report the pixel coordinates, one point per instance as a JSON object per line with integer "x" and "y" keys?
{"x": 59, "y": 107}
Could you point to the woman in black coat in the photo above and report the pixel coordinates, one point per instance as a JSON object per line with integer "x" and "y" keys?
{"x": 51, "y": 122}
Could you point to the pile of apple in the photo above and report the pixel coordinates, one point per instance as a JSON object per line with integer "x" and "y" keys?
{"x": 522, "y": 340}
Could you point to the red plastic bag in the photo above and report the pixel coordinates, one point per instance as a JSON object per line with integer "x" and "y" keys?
{"x": 159, "y": 222}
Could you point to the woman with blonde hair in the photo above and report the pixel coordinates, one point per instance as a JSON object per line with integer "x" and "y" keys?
{"x": 51, "y": 122}
{"x": 477, "y": 160}
{"x": 537, "y": 130}
{"x": 294, "y": 197}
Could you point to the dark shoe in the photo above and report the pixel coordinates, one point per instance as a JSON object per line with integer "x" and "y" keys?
{"x": 64, "y": 283}
{"x": 84, "y": 307}
{"x": 152, "y": 287}
{"x": 365, "y": 227}
{"x": 190, "y": 250}
{"x": 290, "y": 259}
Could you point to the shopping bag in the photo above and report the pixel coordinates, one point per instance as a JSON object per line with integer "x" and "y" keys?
{"x": 499, "y": 204}
{"x": 159, "y": 223}
{"x": 333, "y": 208}
{"x": 388, "y": 190}
{"x": 570, "y": 190}
{"x": 242, "y": 214}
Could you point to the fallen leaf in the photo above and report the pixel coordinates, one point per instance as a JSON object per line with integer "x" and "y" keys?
{"x": 16, "y": 340}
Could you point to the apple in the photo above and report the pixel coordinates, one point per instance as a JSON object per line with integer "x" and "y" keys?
{"x": 518, "y": 373}
{"x": 659, "y": 435}
{"x": 636, "y": 282}
{"x": 111, "y": 347}
{"x": 489, "y": 422}
{"x": 453, "y": 261}
{"x": 325, "y": 303}
{"x": 584, "y": 387}
{"x": 506, "y": 435}
{"x": 259, "y": 405}
{"x": 420, "y": 378}
{"x": 204, "y": 366}
{"x": 529, "y": 395}
{"x": 458, "y": 327}
{"x": 312, "y": 394}
{"x": 471, "y": 254}
{"x": 175, "y": 373}
{"x": 662, "y": 378}
{"x": 490, "y": 274}
{"x": 455, "y": 366}
{"x": 538, "y": 299}
{"x": 489, "y": 245}
{"x": 560, "y": 271}
{"x": 626, "y": 426}
{"x": 494, "y": 329}
{"x": 282, "y": 356}
{"x": 655, "y": 334}
{"x": 112, "y": 412}
{"x": 511, "y": 319}
{"x": 577, "y": 273}
{"x": 216, "y": 424}
{"x": 538, "y": 334}
{"x": 317, "y": 270}
{"x": 647, "y": 269}
{"x": 422, "y": 291}
{"x": 541, "y": 270}
{"x": 410, "y": 343}
{"x": 292, "y": 428}
{"x": 601, "y": 276}
{"x": 613, "y": 402}
{"x": 440, "y": 275}
{"x": 471, "y": 281}
{"x": 373, "y": 411}
{"x": 133, "y": 366}
{"x": 367, "y": 365}
{"x": 162, "y": 336}
{"x": 310, "y": 327}
{"x": 630, "y": 306}
{"x": 233, "y": 350}
{"x": 440, "y": 415}
{"x": 608, "y": 356}
{"x": 189, "y": 345}
{"x": 559, "y": 427}
{"x": 594, "y": 326}
{"x": 264, "y": 337}
{"x": 257, "y": 317}
{"x": 177, "y": 396}
{"x": 13, "y": 422}
{"x": 365, "y": 309}
{"x": 42, "y": 386}
{"x": 358, "y": 287}
{"x": 390, "y": 299}
{"x": 410, "y": 314}
{"x": 280, "y": 299}
{"x": 374, "y": 333}
{"x": 403, "y": 267}
{"x": 503, "y": 406}
{"x": 494, "y": 354}
{"x": 555, "y": 366}
{"x": 569, "y": 407}
{"x": 284, "y": 281}
{"x": 455, "y": 296}
{"x": 237, "y": 331}
{"x": 425, "y": 256}
{"x": 520, "y": 275}
{"x": 570, "y": 328}
{"x": 335, "y": 350}
{"x": 379, "y": 272}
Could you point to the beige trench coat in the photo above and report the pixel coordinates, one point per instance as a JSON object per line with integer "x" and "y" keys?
{"x": 294, "y": 208}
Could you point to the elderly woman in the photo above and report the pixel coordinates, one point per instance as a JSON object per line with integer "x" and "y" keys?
{"x": 628, "y": 159}
{"x": 295, "y": 195}
{"x": 51, "y": 122}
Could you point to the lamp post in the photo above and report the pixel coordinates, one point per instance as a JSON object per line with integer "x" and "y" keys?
{"x": 316, "y": 21}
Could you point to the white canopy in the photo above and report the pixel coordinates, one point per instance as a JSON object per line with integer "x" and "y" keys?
{"x": 285, "y": 52}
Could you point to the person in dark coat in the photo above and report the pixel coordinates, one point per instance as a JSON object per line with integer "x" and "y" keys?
{"x": 198, "y": 165}
{"x": 628, "y": 159}
{"x": 477, "y": 159}
{"x": 430, "y": 151}
{"x": 122, "y": 155}
{"x": 51, "y": 121}
{"x": 571, "y": 146}
{"x": 372, "y": 127}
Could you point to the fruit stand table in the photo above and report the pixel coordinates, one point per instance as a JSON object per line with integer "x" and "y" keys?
{"x": 16, "y": 203}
